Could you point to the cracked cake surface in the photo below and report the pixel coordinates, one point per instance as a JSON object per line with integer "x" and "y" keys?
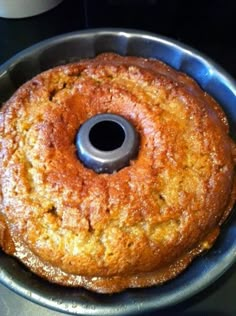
{"x": 139, "y": 226}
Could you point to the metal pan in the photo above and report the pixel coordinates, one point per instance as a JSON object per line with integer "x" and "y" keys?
{"x": 212, "y": 78}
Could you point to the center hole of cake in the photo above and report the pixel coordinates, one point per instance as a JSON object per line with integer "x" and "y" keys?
{"x": 107, "y": 135}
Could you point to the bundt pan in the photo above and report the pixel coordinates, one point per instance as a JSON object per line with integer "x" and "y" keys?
{"x": 205, "y": 269}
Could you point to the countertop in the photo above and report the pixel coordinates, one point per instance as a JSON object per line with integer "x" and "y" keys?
{"x": 208, "y": 26}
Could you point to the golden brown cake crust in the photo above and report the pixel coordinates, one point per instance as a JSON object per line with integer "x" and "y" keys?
{"x": 139, "y": 226}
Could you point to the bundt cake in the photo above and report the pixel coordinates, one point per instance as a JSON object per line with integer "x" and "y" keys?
{"x": 139, "y": 226}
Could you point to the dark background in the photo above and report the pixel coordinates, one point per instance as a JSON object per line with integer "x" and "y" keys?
{"x": 209, "y": 26}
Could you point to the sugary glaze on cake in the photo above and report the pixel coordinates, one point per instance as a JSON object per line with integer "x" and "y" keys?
{"x": 139, "y": 226}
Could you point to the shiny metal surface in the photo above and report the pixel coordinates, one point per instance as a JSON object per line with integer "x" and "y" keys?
{"x": 212, "y": 78}
{"x": 115, "y": 143}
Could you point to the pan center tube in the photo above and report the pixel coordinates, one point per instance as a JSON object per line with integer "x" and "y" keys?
{"x": 107, "y": 143}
